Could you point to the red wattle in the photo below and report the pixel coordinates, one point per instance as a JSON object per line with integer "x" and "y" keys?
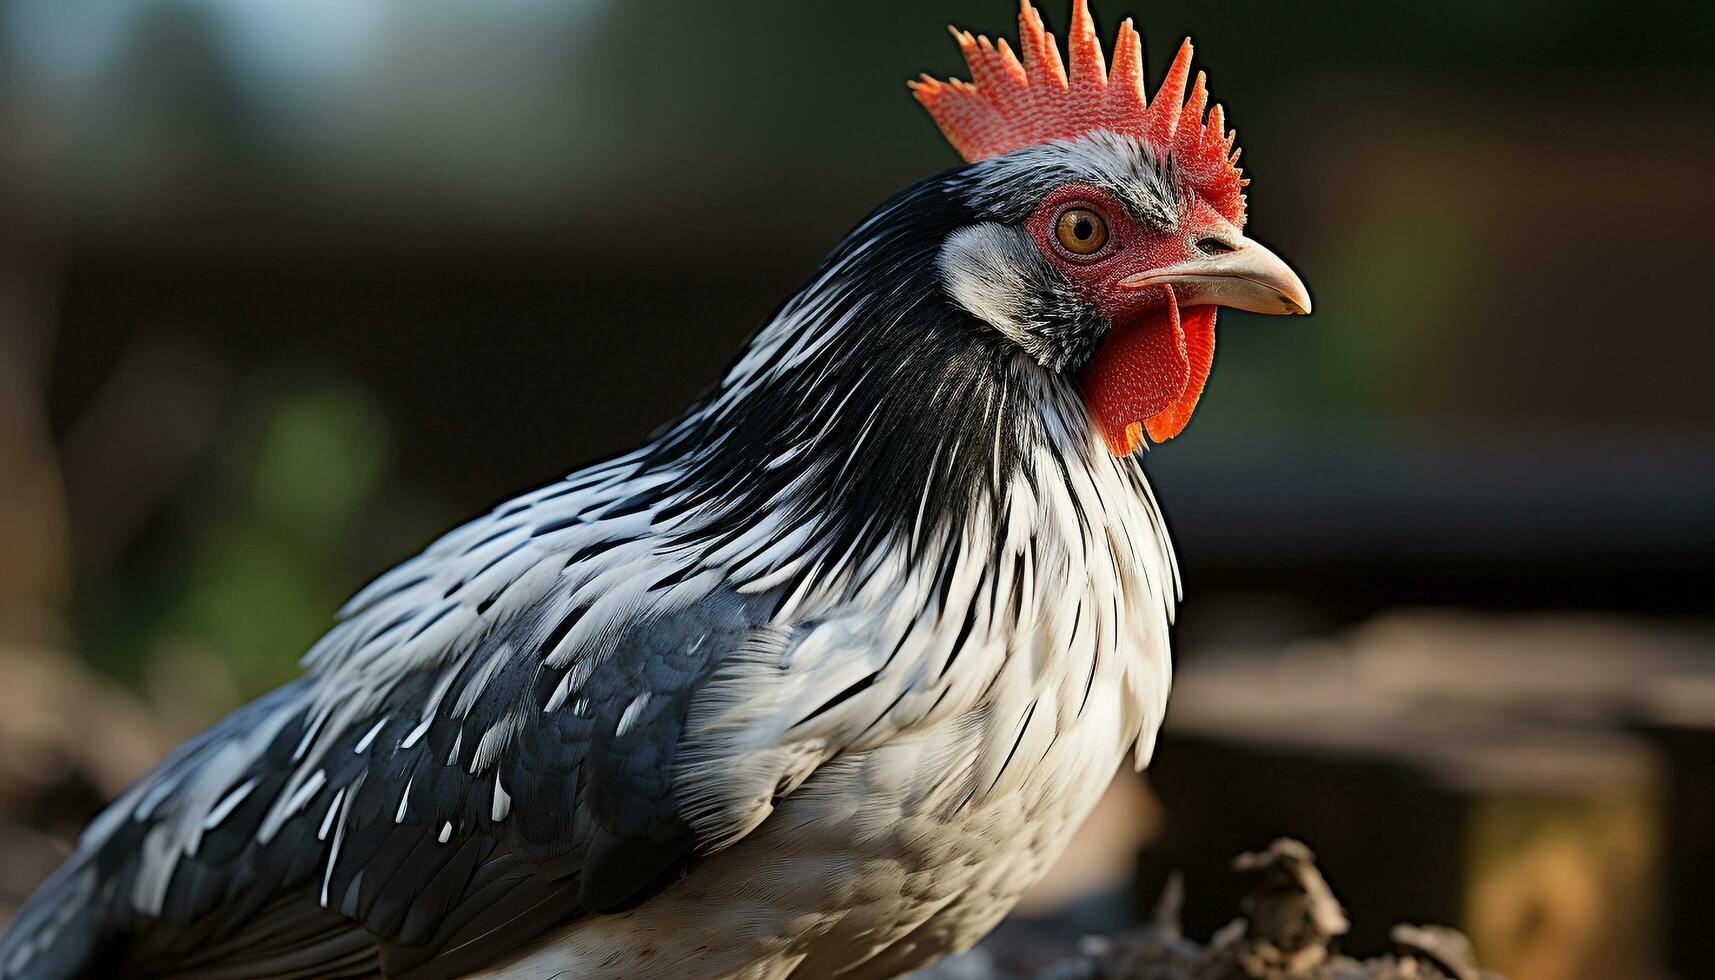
{"x": 1140, "y": 371}
{"x": 1197, "y": 328}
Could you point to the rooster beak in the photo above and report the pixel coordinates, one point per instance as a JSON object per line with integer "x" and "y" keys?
{"x": 1249, "y": 277}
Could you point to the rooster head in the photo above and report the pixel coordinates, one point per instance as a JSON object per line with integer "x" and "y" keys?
{"x": 1110, "y": 224}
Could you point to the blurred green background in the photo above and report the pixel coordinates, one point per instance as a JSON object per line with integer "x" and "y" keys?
{"x": 288, "y": 286}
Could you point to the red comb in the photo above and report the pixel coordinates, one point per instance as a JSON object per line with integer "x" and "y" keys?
{"x": 1010, "y": 104}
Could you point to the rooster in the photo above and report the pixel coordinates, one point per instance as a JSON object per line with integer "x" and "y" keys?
{"x": 816, "y": 682}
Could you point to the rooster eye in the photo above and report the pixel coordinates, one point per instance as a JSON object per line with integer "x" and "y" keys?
{"x": 1081, "y": 231}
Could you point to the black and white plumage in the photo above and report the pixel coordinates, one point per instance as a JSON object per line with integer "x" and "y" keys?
{"x": 821, "y": 678}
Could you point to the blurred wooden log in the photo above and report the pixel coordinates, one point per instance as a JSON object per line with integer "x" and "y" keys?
{"x": 1678, "y": 715}
{"x": 1552, "y": 878}
{"x": 1289, "y": 928}
{"x": 1480, "y": 773}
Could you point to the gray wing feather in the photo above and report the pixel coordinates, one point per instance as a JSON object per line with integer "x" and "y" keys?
{"x": 484, "y": 746}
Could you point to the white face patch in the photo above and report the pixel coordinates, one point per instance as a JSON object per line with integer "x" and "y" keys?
{"x": 993, "y": 271}
{"x": 996, "y": 272}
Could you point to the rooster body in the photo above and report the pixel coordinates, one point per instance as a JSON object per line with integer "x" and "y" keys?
{"x": 817, "y": 682}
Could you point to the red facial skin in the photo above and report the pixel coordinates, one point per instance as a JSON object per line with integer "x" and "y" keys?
{"x": 1150, "y": 368}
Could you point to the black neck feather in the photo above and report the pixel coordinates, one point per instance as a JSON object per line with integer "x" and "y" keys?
{"x": 910, "y": 407}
